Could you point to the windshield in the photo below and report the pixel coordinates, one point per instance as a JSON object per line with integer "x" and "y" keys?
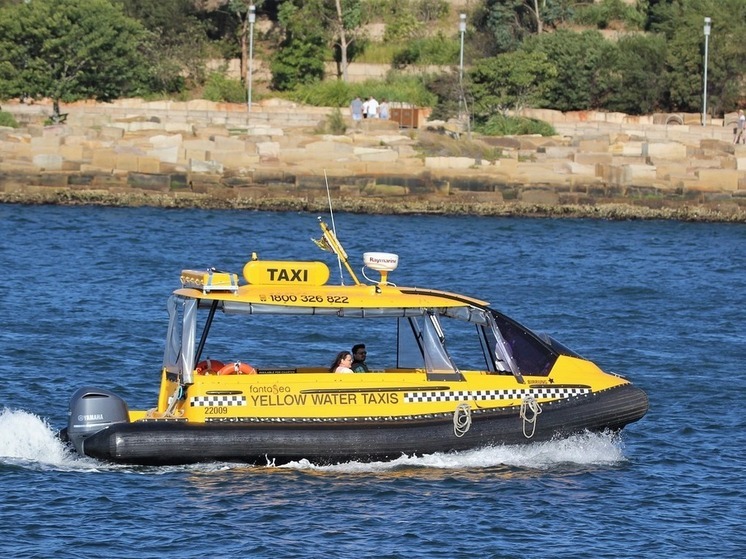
{"x": 444, "y": 341}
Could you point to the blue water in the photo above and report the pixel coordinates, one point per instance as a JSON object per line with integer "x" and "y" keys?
{"x": 83, "y": 302}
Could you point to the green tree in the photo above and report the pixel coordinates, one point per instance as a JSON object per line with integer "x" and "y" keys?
{"x": 637, "y": 71}
{"x": 301, "y": 53}
{"x": 182, "y": 47}
{"x": 580, "y": 59}
{"x": 70, "y": 49}
{"x": 448, "y": 91}
{"x": 508, "y": 23}
{"x": 345, "y": 30}
{"x": 504, "y": 22}
{"x": 509, "y": 81}
{"x": 602, "y": 14}
{"x": 682, "y": 21}
{"x": 169, "y": 17}
{"x": 241, "y": 10}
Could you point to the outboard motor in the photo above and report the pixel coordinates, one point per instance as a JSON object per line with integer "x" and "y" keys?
{"x": 91, "y": 410}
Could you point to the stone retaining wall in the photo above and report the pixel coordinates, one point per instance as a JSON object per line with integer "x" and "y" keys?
{"x": 221, "y": 150}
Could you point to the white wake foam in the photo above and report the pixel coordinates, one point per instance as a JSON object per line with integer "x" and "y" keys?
{"x": 589, "y": 449}
{"x": 28, "y": 440}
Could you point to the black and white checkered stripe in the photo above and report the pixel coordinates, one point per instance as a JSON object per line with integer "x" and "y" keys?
{"x": 226, "y": 400}
{"x": 555, "y": 393}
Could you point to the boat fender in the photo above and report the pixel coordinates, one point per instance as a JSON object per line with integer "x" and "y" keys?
{"x": 209, "y": 366}
{"x": 237, "y": 368}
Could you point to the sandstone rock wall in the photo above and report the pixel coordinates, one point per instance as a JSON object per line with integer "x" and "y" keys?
{"x": 222, "y": 150}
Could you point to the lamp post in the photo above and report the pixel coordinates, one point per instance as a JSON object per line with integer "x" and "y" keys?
{"x": 462, "y": 108}
{"x": 461, "y": 30}
{"x": 708, "y": 21}
{"x": 252, "y": 19}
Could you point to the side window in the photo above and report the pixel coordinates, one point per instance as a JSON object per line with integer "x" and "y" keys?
{"x": 532, "y": 355}
{"x": 408, "y": 350}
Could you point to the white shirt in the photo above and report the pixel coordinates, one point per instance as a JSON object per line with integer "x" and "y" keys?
{"x": 372, "y": 108}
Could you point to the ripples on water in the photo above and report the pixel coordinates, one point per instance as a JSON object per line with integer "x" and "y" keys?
{"x": 422, "y": 502}
{"x": 659, "y": 302}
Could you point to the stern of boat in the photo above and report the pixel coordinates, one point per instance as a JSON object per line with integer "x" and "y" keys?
{"x": 92, "y": 410}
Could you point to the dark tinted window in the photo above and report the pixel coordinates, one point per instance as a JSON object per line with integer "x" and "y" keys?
{"x": 533, "y": 356}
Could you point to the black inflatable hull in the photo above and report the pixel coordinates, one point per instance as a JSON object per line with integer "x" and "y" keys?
{"x": 174, "y": 442}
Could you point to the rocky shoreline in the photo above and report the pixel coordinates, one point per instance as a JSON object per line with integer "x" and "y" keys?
{"x": 610, "y": 211}
{"x": 599, "y": 166}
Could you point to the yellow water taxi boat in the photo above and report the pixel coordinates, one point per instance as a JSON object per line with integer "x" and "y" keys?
{"x": 450, "y": 374}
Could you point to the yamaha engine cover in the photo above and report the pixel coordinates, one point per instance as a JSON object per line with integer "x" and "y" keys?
{"x": 91, "y": 410}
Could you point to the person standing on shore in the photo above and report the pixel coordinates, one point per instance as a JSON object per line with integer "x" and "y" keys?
{"x": 383, "y": 110}
{"x": 372, "y": 107}
{"x": 356, "y": 110}
{"x": 741, "y": 122}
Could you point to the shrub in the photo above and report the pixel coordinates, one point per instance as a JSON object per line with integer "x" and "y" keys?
{"x": 430, "y": 50}
{"x": 500, "y": 125}
{"x": 601, "y": 15}
{"x": 336, "y": 93}
{"x": 431, "y": 10}
{"x": 335, "y": 123}
{"x": 7, "y": 119}
{"x": 327, "y": 93}
{"x": 377, "y": 53}
{"x": 430, "y": 144}
{"x": 398, "y": 88}
{"x": 402, "y": 27}
{"x": 220, "y": 88}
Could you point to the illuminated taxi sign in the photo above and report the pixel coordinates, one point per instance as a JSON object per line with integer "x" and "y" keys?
{"x": 274, "y": 272}
{"x": 209, "y": 280}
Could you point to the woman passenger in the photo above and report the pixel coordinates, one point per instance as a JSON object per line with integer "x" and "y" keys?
{"x": 342, "y": 363}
